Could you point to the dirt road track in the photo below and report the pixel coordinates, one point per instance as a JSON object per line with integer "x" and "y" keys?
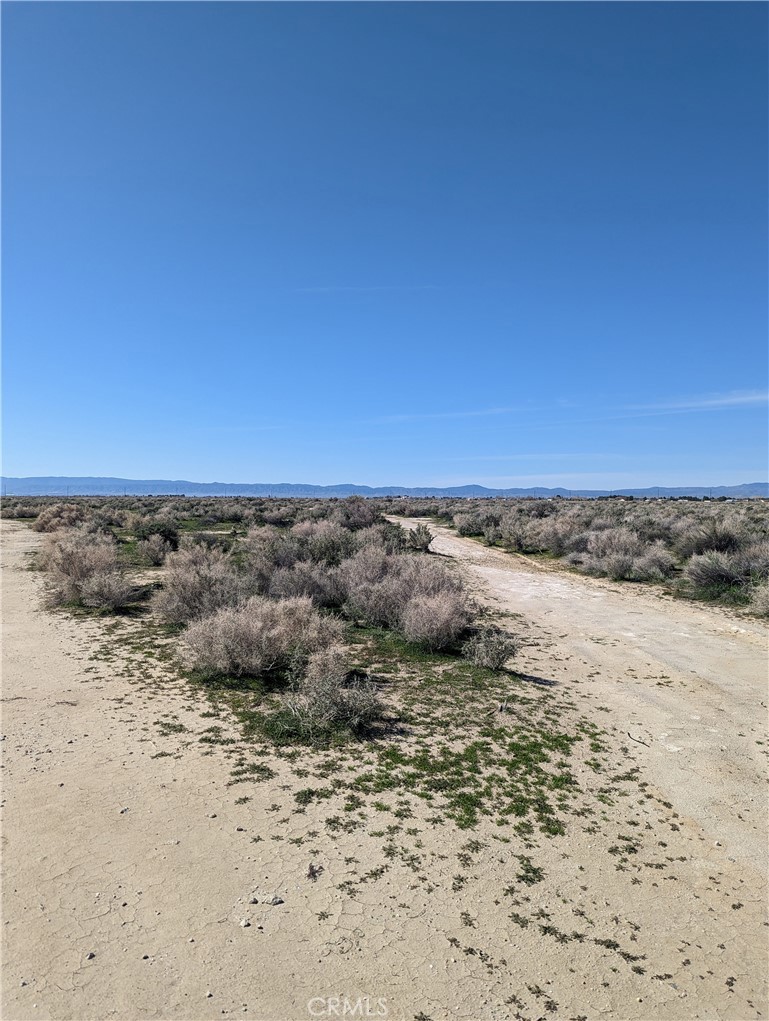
{"x": 689, "y": 680}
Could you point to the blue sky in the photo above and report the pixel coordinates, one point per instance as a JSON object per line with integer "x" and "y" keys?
{"x": 513, "y": 244}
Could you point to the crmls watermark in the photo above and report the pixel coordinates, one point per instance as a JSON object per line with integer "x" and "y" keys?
{"x": 345, "y": 1006}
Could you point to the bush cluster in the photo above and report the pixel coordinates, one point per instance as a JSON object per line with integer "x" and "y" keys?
{"x": 635, "y": 540}
{"x": 330, "y": 699}
{"x": 417, "y": 596}
{"x": 261, "y": 636}
{"x": 83, "y": 569}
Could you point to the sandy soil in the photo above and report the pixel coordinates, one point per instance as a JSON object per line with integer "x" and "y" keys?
{"x": 691, "y": 681}
{"x": 129, "y": 864}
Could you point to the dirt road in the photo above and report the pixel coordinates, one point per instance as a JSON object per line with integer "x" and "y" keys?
{"x": 689, "y": 680}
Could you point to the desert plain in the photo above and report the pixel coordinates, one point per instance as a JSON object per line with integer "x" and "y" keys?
{"x": 157, "y": 863}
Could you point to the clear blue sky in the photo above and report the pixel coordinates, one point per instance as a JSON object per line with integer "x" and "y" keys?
{"x": 513, "y": 244}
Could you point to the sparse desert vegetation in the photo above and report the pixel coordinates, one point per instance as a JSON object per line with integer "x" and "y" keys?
{"x": 393, "y": 741}
{"x": 713, "y": 550}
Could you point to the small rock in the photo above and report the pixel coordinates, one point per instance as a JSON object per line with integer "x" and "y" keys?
{"x": 239, "y": 829}
{"x": 22, "y": 983}
{"x": 244, "y": 923}
{"x": 254, "y": 900}
{"x": 209, "y": 994}
{"x": 190, "y": 940}
{"x": 212, "y": 815}
{"x": 90, "y": 955}
{"x": 274, "y": 900}
{"x": 145, "y": 957}
{"x": 123, "y": 811}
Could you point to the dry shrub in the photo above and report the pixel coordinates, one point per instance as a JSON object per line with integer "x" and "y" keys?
{"x": 260, "y": 636}
{"x": 610, "y": 542}
{"x": 198, "y": 581}
{"x": 355, "y": 513}
{"x": 107, "y": 590}
{"x": 490, "y": 648}
{"x": 468, "y": 524}
{"x": 72, "y": 559}
{"x": 414, "y": 594}
{"x": 435, "y": 622}
{"x": 154, "y": 550}
{"x": 492, "y": 534}
{"x": 655, "y": 564}
{"x": 330, "y": 700}
{"x": 419, "y": 538}
{"x": 546, "y": 535}
{"x": 513, "y": 531}
{"x": 162, "y": 525}
{"x": 329, "y": 664}
{"x": 759, "y": 600}
{"x": 60, "y": 515}
{"x": 617, "y": 566}
{"x": 305, "y": 579}
{"x": 755, "y": 561}
{"x": 373, "y": 591}
{"x": 18, "y": 509}
{"x": 329, "y": 543}
{"x": 266, "y": 550}
{"x": 726, "y": 536}
{"x": 715, "y": 572}
{"x": 387, "y": 536}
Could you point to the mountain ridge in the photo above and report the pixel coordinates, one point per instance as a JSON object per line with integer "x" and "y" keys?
{"x": 63, "y": 485}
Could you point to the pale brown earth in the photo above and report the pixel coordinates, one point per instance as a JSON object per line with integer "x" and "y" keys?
{"x": 126, "y": 843}
{"x": 689, "y": 680}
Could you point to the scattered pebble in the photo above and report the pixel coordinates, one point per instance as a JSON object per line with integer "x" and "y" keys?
{"x": 123, "y": 811}
{"x": 244, "y": 923}
{"x": 90, "y": 955}
{"x": 212, "y": 816}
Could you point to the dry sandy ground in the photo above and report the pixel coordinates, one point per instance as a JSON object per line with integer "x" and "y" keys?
{"x": 127, "y": 871}
{"x": 691, "y": 681}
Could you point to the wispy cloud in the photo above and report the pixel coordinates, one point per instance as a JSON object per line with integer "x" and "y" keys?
{"x": 707, "y": 402}
{"x": 419, "y": 416}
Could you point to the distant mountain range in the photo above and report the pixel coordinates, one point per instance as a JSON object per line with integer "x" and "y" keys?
{"x": 66, "y": 486}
